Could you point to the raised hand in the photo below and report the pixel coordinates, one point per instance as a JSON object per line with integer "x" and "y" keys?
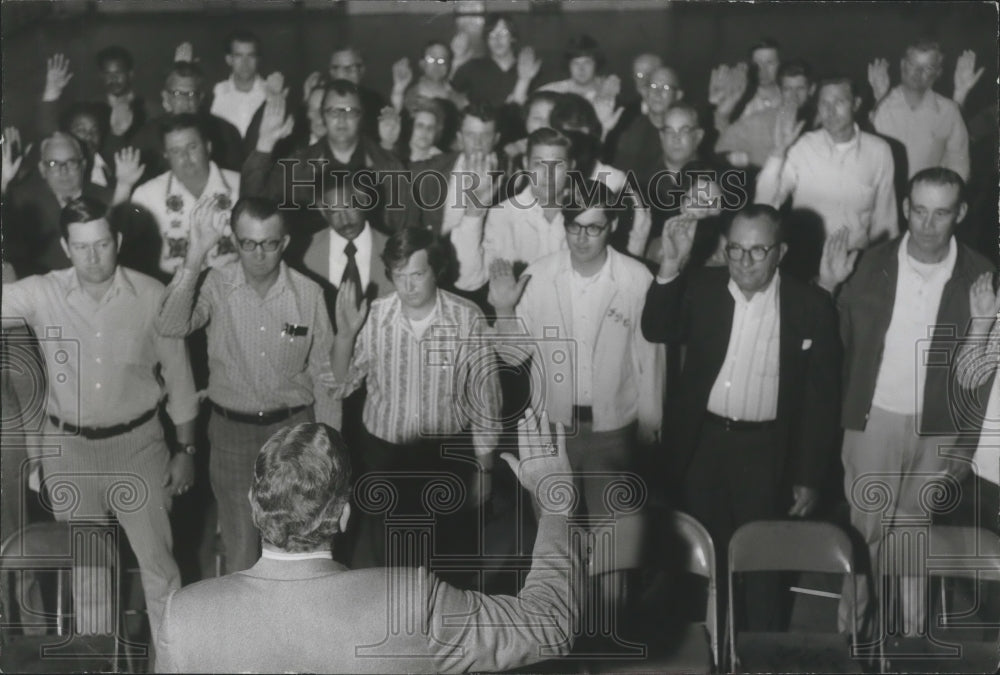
{"x": 10, "y": 144}
{"x": 642, "y": 222}
{"x": 57, "y": 76}
{"x": 461, "y": 49}
{"x": 274, "y": 124}
{"x": 402, "y": 74}
{"x": 527, "y": 64}
{"x": 128, "y": 166}
{"x": 310, "y": 84}
{"x": 983, "y": 301}
{"x": 787, "y": 128}
{"x": 184, "y": 52}
{"x": 389, "y": 126}
{"x": 677, "y": 239}
{"x": 274, "y": 85}
{"x": 608, "y": 115}
{"x": 541, "y": 454}
{"x": 966, "y": 75}
{"x": 878, "y": 78}
{"x": 718, "y": 84}
{"x": 610, "y": 87}
{"x": 505, "y": 291}
{"x": 837, "y": 261}
{"x": 206, "y": 230}
{"x": 350, "y": 315}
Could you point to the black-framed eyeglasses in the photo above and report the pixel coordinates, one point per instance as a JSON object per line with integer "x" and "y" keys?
{"x": 735, "y": 252}
{"x": 250, "y": 245}
{"x": 439, "y": 60}
{"x": 592, "y": 230}
{"x": 190, "y": 95}
{"x": 68, "y": 165}
{"x": 347, "y": 112}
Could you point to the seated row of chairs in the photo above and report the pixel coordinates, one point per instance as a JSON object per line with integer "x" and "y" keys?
{"x": 71, "y": 643}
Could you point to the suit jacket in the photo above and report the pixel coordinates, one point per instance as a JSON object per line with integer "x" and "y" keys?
{"x": 696, "y": 309}
{"x": 317, "y": 616}
{"x": 430, "y": 194}
{"x": 315, "y": 264}
{"x": 865, "y": 304}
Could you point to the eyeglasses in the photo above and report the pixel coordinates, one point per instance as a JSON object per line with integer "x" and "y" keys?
{"x": 683, "y": 131}
{"x": 435, "y": 60}
{"x": 190, "y": 95}
{"x": 735, "y": 252}
{"x": 499, "y": 32}
{"x": 653, "y": 86}
{"x": 68, "y": 165}
{"x": 593, "y": 230}
{"x": 250, "y": 245}
{"x": 343, "y": 113}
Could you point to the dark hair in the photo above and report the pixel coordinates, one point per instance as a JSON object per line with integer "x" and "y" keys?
{"x": 764, "y": 43}
{"x": 185, "y": 69}
{"x": 938, "y": 175}
{"x": 590, "y": 194}
{"x": 573, "y": 112}
{"x": 432, "y": 106}
{"x": 438, "y": 43}
{"x": 766, "y": 211}
{"x": 838, "y": 80}
{"x": 493, "y": 19}
{"x": 83, "y": 210}
{"x": 539, "y": 95}
{"x": 347, "y": 47}
{"x": 584, "y": 45}
{"x": 925, "y": 45}
{"x": 342, "y": 88}
{"x": 795, "y": 68}
{"x": 549, "y": 136}
{"x": 584, "y": 151}
{"x": 258, "y": 208}
{"x": 241, "y": 36}
{"x": 481, "y": 111}
{"x": 115, "y": 53}
{"x": 172, "y": 123}
{"x": 301, "y": 483}
{"x": 84, "y": 108}
{"x": 409, "y": 240}
{"x": 688, "y": 108}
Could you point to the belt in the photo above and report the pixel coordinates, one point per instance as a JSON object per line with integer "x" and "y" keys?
{"x": 261, "y": 417}
{"x": 736, "y": 425}
{"x": 583, "y": 414}
{"x": 99, "y": 433}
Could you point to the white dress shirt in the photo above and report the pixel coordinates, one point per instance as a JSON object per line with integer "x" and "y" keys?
{"x": 747, "y": 385}
{"x": 933, "y": 133}
{"x": 235, "y": 106}
{"x": 899, "y": 387}
{"x": 363, "y": 256}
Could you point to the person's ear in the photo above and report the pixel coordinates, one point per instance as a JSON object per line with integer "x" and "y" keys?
{"x": 208, "y": 147}
{"x": 229, "y": 60}
{"x": 782, "y": 250}
{"x": 906, "y": 208}
{"x": 680, "y": 95}
{"x": 963, "y": 208}
{"x": 164, "y": 100}
{"x": 65, "y": 245}
{"x": 812, "y": 90}
{"x": 699, "y": 135}
{"x": 345, "y": 515}
{"x": 857, "y": 104}
{"x": 118, "y": 242}
{"x": 284, "y": 243}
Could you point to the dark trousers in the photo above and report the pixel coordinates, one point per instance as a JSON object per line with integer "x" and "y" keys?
{"x": 733, "y": 480}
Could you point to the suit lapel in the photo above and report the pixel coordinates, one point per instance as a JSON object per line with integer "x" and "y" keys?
{"x": 317, "y": 257}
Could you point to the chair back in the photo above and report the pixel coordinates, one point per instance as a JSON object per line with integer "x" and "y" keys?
{"x": 700, "y": 560}
{"x": 963, "y": 552}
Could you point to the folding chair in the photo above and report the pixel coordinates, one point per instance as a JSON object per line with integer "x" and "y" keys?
{"x": 85, "y": 554}
{"x": 953, "y": 552}
{"x": 789, "y": 546}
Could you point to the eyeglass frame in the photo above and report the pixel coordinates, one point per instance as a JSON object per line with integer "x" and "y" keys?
{"x": 346, "y": 112}
{"x": 592, "y": 230}
{"x": 436, "y": 60}
{"x": 190, "y": 95}
{"x": 762, "y": 251}
{"x": 267, "y": 246}
{"x": 75, "y": 163}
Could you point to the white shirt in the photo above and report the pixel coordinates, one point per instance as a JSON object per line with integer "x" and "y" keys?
{"x": 588, "y": 296}
{"x": 845, "y": 183}
{"x": 271, "y": 554}
{"x": 97, "y": 174}
{"x": 747, "y": 385}
{"x": 363, "y": 256}
{"x": 902, "y": 374}
{"x": 933, "y": 133}
{"x": 171, "y": 205}
{"x": 235, "y": 106}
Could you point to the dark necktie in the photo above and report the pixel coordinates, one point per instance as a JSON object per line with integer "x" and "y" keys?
{"x": 351, "y": 272}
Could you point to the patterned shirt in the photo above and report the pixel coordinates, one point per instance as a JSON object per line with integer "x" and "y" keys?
{"x": 439, "y": 385}
{"x": 171, "y": 204}
{"x": 101, "y": 355}
{"x": 263, "y": 353}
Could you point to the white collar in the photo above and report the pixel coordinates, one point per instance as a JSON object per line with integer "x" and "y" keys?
{"x": 767, "y": 295}
{"x": 362, "y": 242}
{"x": 272, "y": 554}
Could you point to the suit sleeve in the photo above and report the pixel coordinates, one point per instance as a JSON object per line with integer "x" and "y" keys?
{"x": 820, "y": 411}
{"x": 649, "y": 362}
{"x": 471, "y": 631}
{"x": 664, "y": 316}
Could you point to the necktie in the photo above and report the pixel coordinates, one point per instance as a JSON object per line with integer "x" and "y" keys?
{"x": 351, "y": 271}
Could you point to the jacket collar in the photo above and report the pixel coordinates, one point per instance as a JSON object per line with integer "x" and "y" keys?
{"x": 294, "y": 569}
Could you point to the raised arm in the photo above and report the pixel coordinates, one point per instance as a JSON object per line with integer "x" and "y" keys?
{"x": 980, "y": 351}
{"x": 663, "y": 314}
{"x": 779, "y": 175}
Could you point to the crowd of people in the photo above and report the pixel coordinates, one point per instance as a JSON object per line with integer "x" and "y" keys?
{"x": 325, "y": 286}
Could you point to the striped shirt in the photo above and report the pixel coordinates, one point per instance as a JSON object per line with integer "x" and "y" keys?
{"x": 747, "y": 385}
{"x": 257, "y": 361}
{"x": 101, "y": 355}
{"x": 438, "y": 385}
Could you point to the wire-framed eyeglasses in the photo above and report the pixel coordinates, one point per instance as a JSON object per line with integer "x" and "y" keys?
{"x": 735, "y": 252}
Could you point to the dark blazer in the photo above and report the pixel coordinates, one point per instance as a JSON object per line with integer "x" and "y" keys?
{"x": 696, "y": 309}
{"x": 865, "y": 304}
{"x": 316, "y": 616}
{"x": 315, "y": 264}
{"x": 430, "y": 193}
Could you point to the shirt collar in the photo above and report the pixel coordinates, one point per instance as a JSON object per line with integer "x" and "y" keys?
{"x": 853, "y": 144}
{"x": 898, "y": 98}
{"x": 216, "y": 183}
{"x": 258, "y": 83}
{"x": 761, "y": 298}
{"x": 273, "y": 554}
{"x": 362, "y": 241}
{"x": 395, "y": 311}
{"x": 239, "y": 279}
{"x": 946, "y": 265}
{"x": 119, "y": 283}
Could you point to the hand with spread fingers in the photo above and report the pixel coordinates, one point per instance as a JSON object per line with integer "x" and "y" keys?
{"x": 57, "y": 76}
{"x": 541, "y": 454}
{"x": 878, "y": 78}
{"x": 837, "y": 261}
{"x": 504, "y": 290}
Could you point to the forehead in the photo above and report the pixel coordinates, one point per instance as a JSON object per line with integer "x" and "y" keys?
{"x": 765, "y": 54}
{"x": 437, "y": 51}
{"x": 794, "y": 81}
{"x": 501, "y": 27}
{"x": 182, "y": 137}
{"x": 472, "y": 124}
{"x": 243, "y": 48}
{"x": 545, "y": 151}
{"x": 582, "y": 58}
{"x": 424, "y": 117}
{"x": 923, "y": 57}
{"x": 753, "y": 230}
{"x": 336, "y": 100}
{"x": 60, "y": 148}
{"x": 94, "y": 230}
{"x": 114, "y": 66}
{"x": 594, "y": 216}
{"x": 646, "y": 62}
{"x": 680, "y": 117}
{"x": 664, "y": 76}
{"x": 338, "y": 195}
{"x": 840, "y": 91}
{"x": 250, "y": 226}
{"x": 934, "y": 195}
{"x": 345, "y": 57}
{"x": 181, "y": 83}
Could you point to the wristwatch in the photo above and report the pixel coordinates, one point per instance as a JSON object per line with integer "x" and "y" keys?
{"x": 189, "y": 449}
